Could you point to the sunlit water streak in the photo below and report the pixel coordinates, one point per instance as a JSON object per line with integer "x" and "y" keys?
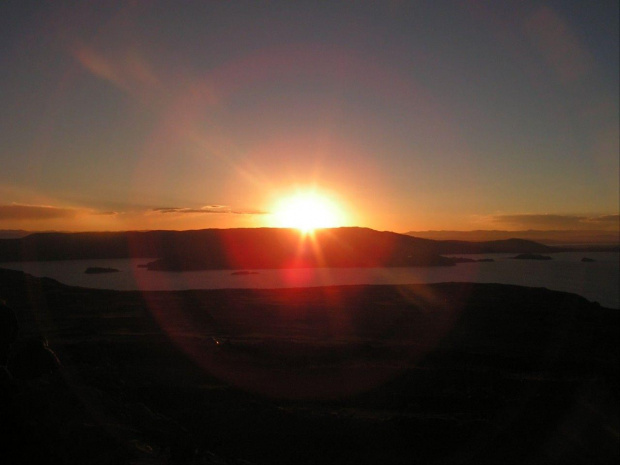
{"x": 597, "y": 281}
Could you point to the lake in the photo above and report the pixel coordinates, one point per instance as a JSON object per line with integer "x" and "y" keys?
{"x": 596, "y": 281}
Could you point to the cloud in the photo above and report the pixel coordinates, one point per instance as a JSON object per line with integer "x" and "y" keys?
{"x": 36, "y": 212}
{"x": 19, "y": 212}
{"x": 249, "y": 212}
{"x": 554, "y": 222}
{"x": 208, "y": 210}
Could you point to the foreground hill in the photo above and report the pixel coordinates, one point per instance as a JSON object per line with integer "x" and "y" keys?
{"x": 255, "y": 248}
{"x": 442, "y": 373}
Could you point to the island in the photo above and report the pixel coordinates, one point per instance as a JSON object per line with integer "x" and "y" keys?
{"x": 587, "y": 260}
{"x": 472, "y": 260}
{"x": 532, "y": 256}
{"x": 100, "y": 270}
{"x": 243, "y": 272}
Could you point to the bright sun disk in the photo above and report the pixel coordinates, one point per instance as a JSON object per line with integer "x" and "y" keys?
{"x": 306, "y": 212}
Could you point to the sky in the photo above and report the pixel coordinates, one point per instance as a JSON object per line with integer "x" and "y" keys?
{"x": 405, "y": 115}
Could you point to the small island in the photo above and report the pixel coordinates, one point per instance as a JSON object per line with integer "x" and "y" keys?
{"x": 100, "y": 270}
{"x": 472, "y": 260}
{"x": 243, "y": 272}
{"x": 532, "y": 256}
{"x": 587, "y": 260}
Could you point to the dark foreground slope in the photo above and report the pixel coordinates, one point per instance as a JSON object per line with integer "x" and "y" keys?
{"x": 442, "y": 373}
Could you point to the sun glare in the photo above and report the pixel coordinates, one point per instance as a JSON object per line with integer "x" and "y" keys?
{"x": 307, "y": 211}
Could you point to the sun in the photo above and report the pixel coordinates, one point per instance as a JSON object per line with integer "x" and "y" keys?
{"x": 307, "y": 211}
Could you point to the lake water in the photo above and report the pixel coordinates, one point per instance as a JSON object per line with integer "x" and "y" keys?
{"x": 597, "y": 281}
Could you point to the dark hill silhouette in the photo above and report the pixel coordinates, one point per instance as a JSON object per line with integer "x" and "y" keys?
{"x": 85, "y": 245}
{"x": 286, "y": 248}
{"x": 255, "y": 248}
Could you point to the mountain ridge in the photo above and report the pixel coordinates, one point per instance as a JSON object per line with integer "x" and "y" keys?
{"x": 570, "y": 237}
{"x": 255, "y": 248}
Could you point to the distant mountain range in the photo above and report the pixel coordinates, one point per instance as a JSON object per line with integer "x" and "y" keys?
{"x": 256, "y": 248}
{"x": 557, "y": 237}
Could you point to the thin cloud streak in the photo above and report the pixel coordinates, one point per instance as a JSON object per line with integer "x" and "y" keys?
{"x": 218, "y": 209}
{"x": 36, "y": 212}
